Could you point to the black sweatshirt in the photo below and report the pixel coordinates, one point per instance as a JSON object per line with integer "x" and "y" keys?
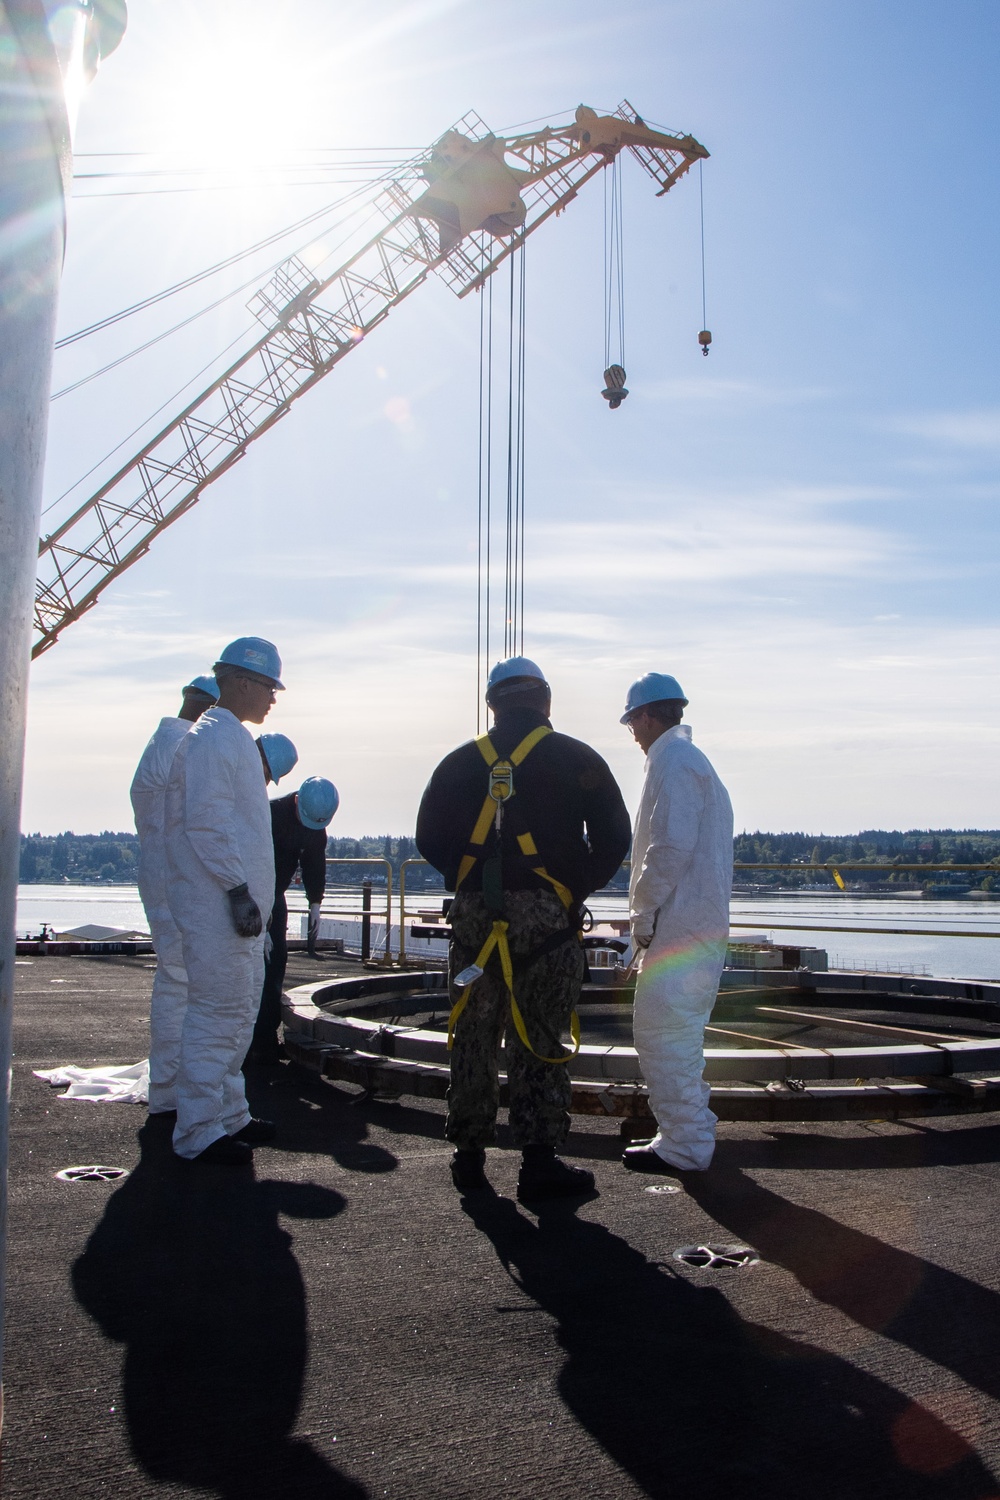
{"x": 295, "y": 845}
{"x": 564, "y": 795}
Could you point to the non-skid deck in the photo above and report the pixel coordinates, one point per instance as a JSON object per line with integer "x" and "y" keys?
{"x": 340, "y": 1323}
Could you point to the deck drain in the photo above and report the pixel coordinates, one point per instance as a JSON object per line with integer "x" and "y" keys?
{"x": 663, "y": 1187}
{"x": 717, "y": 1257}
{"x": 91, "y": 1174}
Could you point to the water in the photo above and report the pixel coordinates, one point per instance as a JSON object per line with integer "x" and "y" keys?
{"x": 63, "y": 906}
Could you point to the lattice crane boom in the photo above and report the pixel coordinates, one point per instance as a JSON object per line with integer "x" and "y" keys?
{"x": 458, "y": 210}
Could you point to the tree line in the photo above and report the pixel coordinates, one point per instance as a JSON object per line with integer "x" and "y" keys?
{"x": 108, "y": 858}
{"x": 880, "y": 847}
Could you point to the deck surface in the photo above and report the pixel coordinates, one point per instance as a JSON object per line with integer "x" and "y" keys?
{"x": 340, "y": 1323}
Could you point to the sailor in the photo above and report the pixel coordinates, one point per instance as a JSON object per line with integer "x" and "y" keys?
{"x": 298, "y": 830}
{"x": 149, "y": 785}
{"x": 220, "y": 863}
{"x": 523, "y": 823}
{"x": 682, "y": 875}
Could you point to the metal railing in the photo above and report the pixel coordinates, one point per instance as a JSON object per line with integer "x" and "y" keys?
{"x": 821, "y": 926}
{"x": 402, "y": 903}
{"x": 387, "y": 865}
{"x": 826, "y": 869}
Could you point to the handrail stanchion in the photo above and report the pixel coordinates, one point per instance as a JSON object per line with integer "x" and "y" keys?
{"x": 387, "y": 955}
{"x": 366, "y": 920}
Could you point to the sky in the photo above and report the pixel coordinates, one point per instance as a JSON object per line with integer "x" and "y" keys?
{"x": 801, "y": 527}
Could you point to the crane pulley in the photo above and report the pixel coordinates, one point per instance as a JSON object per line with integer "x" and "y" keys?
{"x": 458, "y": 210}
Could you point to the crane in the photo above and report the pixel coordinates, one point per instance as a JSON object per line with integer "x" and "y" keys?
{"x": 458, "y": 210}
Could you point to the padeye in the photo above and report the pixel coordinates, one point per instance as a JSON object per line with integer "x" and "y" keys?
{"x": 501, "y": 789}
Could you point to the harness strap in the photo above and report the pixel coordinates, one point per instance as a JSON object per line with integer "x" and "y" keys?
{"x": 498, "y": 939}
{"x": 487, "y": 813}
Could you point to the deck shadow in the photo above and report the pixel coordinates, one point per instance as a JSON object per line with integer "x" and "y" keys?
{"x": 191, "y": 1270}
{"x": 691, "y": 1400}
{"x": 296, "y": 1099}
{"x": 942, "y": 1316}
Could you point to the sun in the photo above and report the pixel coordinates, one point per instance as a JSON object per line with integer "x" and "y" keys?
{"x": 236, "y": 89}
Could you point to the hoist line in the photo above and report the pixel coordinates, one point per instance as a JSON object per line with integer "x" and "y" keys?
{"x": 489, "y": 460}
{"x": 520, "y": 446}
{"x": 488, "y": 591}
{"x": 479, "y": 530}
{"x": 514, "y": 550}
{"x": 508, "y": 575}
{"x": 614, "y": 267}
{"x": 701, "y": 201}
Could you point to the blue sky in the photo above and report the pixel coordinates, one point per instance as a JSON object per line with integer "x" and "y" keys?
{"x": 801, "y": 527}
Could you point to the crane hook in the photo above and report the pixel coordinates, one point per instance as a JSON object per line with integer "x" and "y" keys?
{"x": 704, "y": 339}
{"x": 614, "y": 391}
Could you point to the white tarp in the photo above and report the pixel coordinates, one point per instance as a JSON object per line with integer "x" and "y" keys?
{"x": 102, "y": 1085}
{"x": 93, "y": 932}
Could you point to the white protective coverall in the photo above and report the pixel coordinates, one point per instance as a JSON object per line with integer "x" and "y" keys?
{"x": 166, "y": 1011}
{"x": 218, "y": 836}
{"x": 682, "y": 875}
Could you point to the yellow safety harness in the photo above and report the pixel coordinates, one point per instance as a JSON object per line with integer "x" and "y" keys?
{"x": 501, "y": 789}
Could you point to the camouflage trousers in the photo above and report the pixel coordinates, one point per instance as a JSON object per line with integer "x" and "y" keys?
{"x": 546, "y": 991}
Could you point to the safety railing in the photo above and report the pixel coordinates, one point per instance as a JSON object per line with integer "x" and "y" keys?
{"x": 365, "y": 913}
{"x": 402, "y": 903}
{"x": 819, "y": 869}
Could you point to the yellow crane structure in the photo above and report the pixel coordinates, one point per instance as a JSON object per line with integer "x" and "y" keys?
{"x": 458, "y": 210}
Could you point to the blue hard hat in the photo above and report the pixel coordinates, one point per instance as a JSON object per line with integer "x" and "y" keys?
{"x": 280, "y": 754}
{"x": 204, "y": 684}
{"x": 514, "y": 666}
{"x": 653, "y": 688}
{"x": 254, "y": 655}
{"x": 318, "y": 801}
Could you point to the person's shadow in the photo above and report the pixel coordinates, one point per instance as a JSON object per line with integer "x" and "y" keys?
{"x": 692, "y": 1400}
{"x": 190, "y": 1269}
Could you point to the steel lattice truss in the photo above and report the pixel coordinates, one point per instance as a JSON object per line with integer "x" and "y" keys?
{"x": 312, "y": 324}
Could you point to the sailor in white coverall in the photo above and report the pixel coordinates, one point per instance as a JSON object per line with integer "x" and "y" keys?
{"x": 149, "y": 785}
{"x": 220, "y": 887}
{"x": 682, "y": 875}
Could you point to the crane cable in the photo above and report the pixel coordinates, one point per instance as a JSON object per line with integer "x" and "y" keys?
{"x": 614, "y": 391}
{"x": 198, "y": 276}
{"x": 255, "y": 280}
{"x": 511, "y": 456}
{"x": 514, "y": 551}
{"x": 704, "y": 337}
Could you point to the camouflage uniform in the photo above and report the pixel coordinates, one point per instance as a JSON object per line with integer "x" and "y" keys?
{"x": 546, "y": 991}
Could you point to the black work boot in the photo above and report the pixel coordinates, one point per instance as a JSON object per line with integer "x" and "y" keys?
{"x": 544, "y": 1175}
{"x": 467, "y": 1170}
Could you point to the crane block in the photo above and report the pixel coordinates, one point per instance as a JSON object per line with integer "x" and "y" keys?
{"x": 471, "y": 187}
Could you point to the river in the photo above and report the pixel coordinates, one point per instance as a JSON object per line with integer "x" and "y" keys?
{"x": 971, "y": 956}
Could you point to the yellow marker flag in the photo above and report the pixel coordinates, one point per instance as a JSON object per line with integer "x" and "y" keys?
{"x": 839, "y": 879}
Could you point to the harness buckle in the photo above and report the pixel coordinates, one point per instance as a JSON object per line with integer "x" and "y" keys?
{"x": 467, "y": 977}
{"x": 501, "y": 781}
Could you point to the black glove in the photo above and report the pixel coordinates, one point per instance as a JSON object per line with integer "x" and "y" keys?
{"x": 246, "y": 912}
